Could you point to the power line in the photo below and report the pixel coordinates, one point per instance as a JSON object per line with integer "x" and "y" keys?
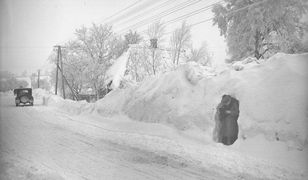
{"x": 145, "y": 11}
{"x": 237, "y": 10}
{"x": 122, "y": 10}
{"x": 203, "y": 9}
{"x": 185, "y": 16}
{"x": 240, "y": 9}
{"x": 115, "y": 14}
{"x": 142, "y": 7}
{"x": 162, "y": 14}
{"x": 260, "y": 2}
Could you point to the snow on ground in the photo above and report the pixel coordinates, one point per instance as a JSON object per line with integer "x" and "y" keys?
{"x": 47, "y": 142}
{"x": 178, "y": 109}
{"x": 15, "y": 167}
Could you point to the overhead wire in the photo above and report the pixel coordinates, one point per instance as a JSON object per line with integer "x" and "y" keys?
{"x": 185, "y": 16}
{"x": 145, "y": 11}
{"x": 193, "y": 13}
{"x": 122, "y": 10}
{"x": 162, "y": 14}
{"x": 210, "y": 19}
{"x": 231, "y": 12}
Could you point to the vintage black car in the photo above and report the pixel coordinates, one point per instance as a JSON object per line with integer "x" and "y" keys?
{"x": 23, "y": 96}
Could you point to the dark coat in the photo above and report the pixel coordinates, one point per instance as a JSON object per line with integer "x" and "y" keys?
{"x": 228, "y": 115}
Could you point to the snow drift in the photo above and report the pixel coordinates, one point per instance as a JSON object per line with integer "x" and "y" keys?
{"x": 116, "y": 72}
{"x": 44, "y": 97}
{"x": 272, "y": 97}
{"x": 272, "y": 122}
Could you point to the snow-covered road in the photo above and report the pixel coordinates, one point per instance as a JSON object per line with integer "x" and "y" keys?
{"x": 42, "y": 142}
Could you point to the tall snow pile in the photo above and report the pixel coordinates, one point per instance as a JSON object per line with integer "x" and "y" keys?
{"x": 117, "y": 70}
{"x": 250, "y": 61}
{"x": 272, "y": 97}
{"x": 44, "y": 97}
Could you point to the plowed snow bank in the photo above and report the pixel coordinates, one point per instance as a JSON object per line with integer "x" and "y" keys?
{"x": 272, "y": 98}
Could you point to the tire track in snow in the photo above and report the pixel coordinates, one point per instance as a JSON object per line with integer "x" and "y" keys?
{"x": 35, "y": 134}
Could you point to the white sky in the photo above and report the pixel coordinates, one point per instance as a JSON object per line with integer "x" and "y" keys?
{"x": 30, "y": 28}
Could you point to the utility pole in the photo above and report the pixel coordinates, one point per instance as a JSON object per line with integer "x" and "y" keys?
{"x": 62, "y": 75}
{"x": 75, "y": 96}
{"x": 64, "y": 80}
{"x": 153, "y": 60}
{"x": 38, "y": 78}
{"x": 154, "y": 47}
{"x": 57, "y": 71}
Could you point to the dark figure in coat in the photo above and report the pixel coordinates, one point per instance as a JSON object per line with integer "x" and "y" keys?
{"x": 228, "y": 115}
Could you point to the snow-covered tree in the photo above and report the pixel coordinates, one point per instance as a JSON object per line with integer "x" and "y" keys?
{"x": 99, "y": 46}
{"x": 131, "y": 38}
{"x": 118, "y": 46}
{"x": 75, "y": 62}
{"x": 139, "y": 63}
{"x": 200, "y": 55}
{"x": 156, "y": 32}
{"x": 181, "y": 38}
{"x": 261, "y": 28}
{"x": 74, "y": 65}
{"x": 8, "y": 81}
{"x": 87, "y": 58}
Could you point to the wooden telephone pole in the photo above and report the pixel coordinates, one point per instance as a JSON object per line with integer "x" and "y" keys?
{"x": 62, "y": 75}
{"x": 38, "y": 78}
{"x": 57, "y": 71}
{"x": 59, "y": 60}
{"x": 154, "y": 47}
{"x": 64, "y": 80}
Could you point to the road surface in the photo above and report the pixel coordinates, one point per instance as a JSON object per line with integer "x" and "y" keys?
{"x": 42, "y": 142}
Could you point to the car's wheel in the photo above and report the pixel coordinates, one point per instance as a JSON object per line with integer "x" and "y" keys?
{"x": 17, "y": 104}
{"x": 31, "y": 104}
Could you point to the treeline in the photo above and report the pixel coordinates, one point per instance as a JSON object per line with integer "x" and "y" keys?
{"x": 10, "y": 82}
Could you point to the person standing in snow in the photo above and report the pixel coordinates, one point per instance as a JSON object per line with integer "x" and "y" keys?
{"x": 228, "y": 115}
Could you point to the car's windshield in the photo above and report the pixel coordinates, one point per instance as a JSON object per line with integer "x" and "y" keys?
{"x": 20, "y": 92}
{"x": 24, "y": 91}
